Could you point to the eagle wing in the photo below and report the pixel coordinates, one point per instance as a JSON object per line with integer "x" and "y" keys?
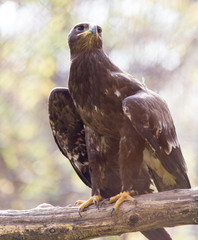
{"x": 151, "y": 118}
{"x": 68, "y": 131}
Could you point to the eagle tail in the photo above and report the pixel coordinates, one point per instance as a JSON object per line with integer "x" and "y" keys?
{"x": 157, "y": 234}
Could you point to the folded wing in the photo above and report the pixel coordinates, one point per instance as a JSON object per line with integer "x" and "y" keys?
{"x": 151, "y": 118}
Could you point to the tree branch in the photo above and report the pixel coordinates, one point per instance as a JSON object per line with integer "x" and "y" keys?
{"x": 165, "y": 209}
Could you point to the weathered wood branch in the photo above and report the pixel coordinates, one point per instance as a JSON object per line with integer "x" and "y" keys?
{"x": 166, "y": 209}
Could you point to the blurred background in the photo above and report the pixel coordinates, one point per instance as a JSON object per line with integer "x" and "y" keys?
{"x": 156, "y": 41}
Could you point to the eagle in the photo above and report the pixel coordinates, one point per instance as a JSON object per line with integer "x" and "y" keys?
{"x": 118, "y": 135}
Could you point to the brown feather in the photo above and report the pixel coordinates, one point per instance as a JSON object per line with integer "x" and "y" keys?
{"x": 127, "y": 132}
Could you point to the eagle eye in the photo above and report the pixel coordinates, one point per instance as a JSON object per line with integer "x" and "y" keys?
{"x": 80, "y": 28}
{"x": 99, "y": 29}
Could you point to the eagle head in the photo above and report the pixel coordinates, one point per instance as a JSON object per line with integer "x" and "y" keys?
{"x": 85, "y": 37}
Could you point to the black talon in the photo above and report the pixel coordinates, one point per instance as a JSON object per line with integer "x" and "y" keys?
{"x": 112, "y": 210}
{"x": 79, "y": 209}
{"x": 135, "y": 202}
{"x": 95, "y": 203}
{"x": 105, "y": 200}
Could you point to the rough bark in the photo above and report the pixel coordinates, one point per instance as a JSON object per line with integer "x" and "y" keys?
{"x": 166, "y": 209}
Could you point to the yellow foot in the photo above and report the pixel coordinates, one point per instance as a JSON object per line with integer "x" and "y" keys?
{"x": 79, "y": 202}
{"x": 93, "y": 200}
{"x": 120, "y": 198}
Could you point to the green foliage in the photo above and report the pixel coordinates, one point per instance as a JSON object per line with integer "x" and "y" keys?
{"x": 155, "y": 40}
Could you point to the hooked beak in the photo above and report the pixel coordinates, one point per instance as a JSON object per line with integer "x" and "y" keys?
{"x": 92, "y": 30}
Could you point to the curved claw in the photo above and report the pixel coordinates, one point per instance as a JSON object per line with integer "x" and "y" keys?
{"x": 124, "y": 196}
{"x": 104, "y": 201}
{"x": 112, "y": 210}
{"x": 79, "y": 211}
{"x": 93, "y": 200}
{"x": 96, "y": 204}
{"x": 120, "y": 198}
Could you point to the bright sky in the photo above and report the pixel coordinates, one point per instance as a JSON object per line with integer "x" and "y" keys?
{"x": 15, "y": 20}
{"x": 8, "y": 17}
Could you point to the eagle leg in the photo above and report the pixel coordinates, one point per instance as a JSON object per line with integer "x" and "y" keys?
{"x": 93, "y": 200}
{"x": 120, "y": 198}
